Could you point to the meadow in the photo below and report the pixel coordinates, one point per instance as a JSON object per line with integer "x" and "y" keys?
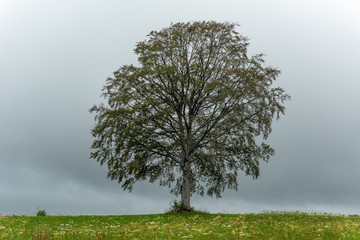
{"x": 271, "y": 225}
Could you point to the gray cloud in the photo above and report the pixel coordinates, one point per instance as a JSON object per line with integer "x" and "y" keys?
{"x": 55, "y": 58}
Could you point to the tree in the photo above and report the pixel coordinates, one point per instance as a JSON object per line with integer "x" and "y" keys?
{"x": 191, "y": 114}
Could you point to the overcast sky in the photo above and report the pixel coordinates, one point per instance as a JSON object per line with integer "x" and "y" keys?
{"x": 56, "y": 55}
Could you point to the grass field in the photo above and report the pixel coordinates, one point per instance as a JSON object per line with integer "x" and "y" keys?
{"x": 281, "y": 225}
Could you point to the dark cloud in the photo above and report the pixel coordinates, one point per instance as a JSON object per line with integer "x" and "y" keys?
{"x": 55, "y": 58}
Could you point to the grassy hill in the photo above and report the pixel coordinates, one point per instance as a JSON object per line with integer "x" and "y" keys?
{"x": 279, "y": 225}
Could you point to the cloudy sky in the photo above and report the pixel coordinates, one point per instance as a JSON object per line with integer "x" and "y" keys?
{"x": 56, "y": 55}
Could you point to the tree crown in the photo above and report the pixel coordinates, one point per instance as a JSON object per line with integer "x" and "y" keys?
{"x": 196, "y": 99}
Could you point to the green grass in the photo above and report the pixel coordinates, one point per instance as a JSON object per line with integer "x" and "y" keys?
{"x": 280, "y": 225}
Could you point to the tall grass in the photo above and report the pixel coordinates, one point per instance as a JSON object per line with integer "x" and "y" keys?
{"x": 279, "y": 225}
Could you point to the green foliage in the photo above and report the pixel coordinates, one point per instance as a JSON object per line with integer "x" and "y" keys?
{"x": 178, "y": 207}
{"x": 278, "y": 225}
{"x": 41, "y": 213}
{"x": 196, "y": 104}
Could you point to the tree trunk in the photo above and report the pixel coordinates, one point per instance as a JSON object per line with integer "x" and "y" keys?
{"x": 186, "y": 187}
{"x": 185, "y": 164}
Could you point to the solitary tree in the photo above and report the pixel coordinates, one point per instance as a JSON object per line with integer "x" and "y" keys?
{"x": 190, "y": 114}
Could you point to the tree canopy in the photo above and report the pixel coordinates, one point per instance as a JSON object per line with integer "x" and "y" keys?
{"x": 190, "y": 114}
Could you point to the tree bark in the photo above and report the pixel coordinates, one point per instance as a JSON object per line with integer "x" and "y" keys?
{"x": 186, "y": 187}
